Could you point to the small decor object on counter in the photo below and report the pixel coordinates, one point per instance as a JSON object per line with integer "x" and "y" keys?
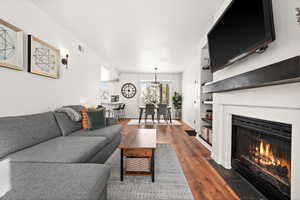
{"x": 128, "y": 90}
{"x": 104, "y": 95}
{"x": 209, "y": 114}
{"x": 11, "y": 46}
{"x": 43, "y": 59}
{"x": 114, "y": 98}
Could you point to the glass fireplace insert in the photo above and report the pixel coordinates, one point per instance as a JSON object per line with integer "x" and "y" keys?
{"x": 261, "y": 152}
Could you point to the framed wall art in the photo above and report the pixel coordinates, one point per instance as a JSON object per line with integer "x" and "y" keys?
{"x": 11, "y": 46}
{"x": 43, "y": 58}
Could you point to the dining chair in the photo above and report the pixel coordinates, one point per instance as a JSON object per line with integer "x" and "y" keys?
{"x": 162, "y": 110}
{"x": 123, "y": 111}
{"x": 150, "y": 110}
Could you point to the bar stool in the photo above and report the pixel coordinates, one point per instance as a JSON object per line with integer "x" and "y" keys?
{"x": 123, "y": 111}
{"x": 117, "y": 112}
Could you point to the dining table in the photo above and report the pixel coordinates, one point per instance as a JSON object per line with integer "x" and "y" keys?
{"x": 143, "y": 107}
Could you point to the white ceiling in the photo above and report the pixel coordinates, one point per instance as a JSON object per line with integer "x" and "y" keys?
{"x": 136, "y": 35}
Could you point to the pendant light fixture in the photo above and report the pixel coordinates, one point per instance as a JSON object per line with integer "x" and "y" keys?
{"x": 155, "y": 82}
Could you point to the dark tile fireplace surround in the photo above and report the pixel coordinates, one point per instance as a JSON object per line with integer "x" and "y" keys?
{"x": 261, "y": 153}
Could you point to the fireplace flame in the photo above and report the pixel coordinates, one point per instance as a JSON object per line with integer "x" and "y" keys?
{"x": 264, "y": 156}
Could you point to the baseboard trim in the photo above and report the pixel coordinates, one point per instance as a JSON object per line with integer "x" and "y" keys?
{"x": 188, "y": 124}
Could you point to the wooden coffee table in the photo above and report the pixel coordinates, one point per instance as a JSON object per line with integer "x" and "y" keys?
{"x": 138, "y": 144}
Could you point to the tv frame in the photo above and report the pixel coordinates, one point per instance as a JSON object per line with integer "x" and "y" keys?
{"x": 258, "y": 47}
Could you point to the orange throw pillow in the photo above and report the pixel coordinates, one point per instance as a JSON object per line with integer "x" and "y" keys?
{"x": 85, "y": 121}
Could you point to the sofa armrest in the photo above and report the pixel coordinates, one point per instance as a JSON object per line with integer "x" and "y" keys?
{"x": 111, "y": 121}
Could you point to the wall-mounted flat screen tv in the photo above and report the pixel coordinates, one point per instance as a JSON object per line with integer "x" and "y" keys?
{"x": 245, "y": 27}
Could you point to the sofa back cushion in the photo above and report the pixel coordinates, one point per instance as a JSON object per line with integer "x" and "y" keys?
{"x": 66, "y": 125}
{"x": 20, "y": 132}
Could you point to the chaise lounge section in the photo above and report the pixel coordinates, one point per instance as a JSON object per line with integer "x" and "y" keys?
{"x": 52, "y": 157}
{"x": 36, "y": 181}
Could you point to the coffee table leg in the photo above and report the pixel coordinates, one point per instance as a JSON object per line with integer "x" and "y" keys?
{"x": 121, "y": 167}
{"x": 153, "y": 166}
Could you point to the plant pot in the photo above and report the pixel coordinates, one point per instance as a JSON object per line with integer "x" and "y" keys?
{"x": 178, "y": 114}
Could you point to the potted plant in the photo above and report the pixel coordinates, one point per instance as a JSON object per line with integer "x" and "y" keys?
{"x": 177, "y": 102}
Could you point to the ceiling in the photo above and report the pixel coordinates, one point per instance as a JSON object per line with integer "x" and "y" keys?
{"x": 137, "y": 35}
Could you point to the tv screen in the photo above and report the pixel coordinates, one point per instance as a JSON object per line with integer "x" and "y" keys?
{"x": 245, "y": 26}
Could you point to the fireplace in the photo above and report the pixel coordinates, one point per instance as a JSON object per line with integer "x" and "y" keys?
{"x": 261, "y": 153}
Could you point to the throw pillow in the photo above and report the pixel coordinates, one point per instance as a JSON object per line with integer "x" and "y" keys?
{"x": 77, "y": 108}
{"x": 72, "y": 113}
{"x": 96, "y": 119}
{"x": 85, "y": 122}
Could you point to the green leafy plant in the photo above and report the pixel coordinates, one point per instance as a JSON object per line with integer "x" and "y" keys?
{"x": 177, "y": 100}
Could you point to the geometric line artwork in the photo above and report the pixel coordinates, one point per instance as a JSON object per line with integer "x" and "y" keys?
{"x": 11, "y": 46}
{"x": 44, "y": 60}
{"x": 7, "y": 45}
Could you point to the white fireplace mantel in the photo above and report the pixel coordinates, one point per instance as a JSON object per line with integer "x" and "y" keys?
{"x": 258, "y": 104}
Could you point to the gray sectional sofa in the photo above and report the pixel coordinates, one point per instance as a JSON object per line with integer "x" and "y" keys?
{"x": 53, "y": 158}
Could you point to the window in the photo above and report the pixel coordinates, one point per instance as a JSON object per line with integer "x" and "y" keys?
{"x": 104, "y": 74}
{"x": 154, "y": 93}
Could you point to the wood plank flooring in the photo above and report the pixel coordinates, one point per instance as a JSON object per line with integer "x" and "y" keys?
{"x": 204, "y": 181}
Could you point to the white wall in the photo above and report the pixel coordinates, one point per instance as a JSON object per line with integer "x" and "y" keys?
{"x": 191, "y": 110}
{"x": 25, "y": 93}
{"x": 191, "y": 107}
{"x": 132, "y": 105}
{"x": 285, "y": 46}
{"x": 108, "y": 74}
{"x": 278, "y": 103}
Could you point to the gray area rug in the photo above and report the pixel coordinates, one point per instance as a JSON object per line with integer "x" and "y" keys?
{"x": 170, "y": 182}
{"x": 150, "y": 122}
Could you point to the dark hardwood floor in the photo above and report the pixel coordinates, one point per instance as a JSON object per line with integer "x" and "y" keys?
{"x": 204, "y": 181}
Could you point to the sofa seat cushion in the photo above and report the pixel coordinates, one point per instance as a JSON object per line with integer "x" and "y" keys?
{"x": 62, "y": 150}
{"x": 36, "y": 181}
{"x": 109, "y": 132}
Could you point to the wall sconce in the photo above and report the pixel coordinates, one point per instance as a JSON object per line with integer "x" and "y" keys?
{"x": 65, "y": 60}
{"x": 65, "y": 57}
{"x": 298, "y": 15}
